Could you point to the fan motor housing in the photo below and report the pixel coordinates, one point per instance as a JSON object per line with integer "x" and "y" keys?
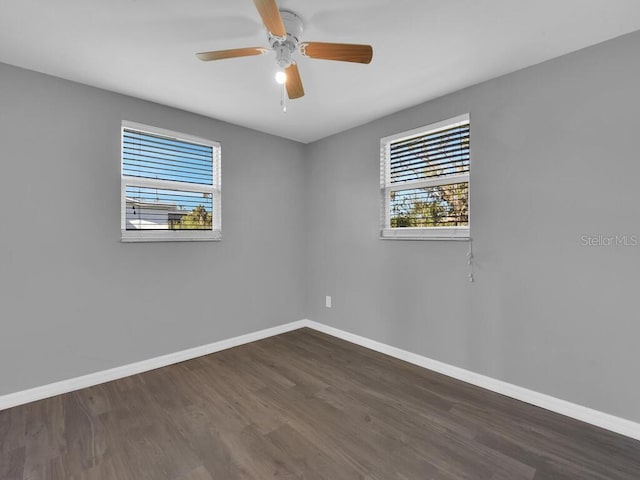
{"x": 293, "y": 25}
{"x": 285, "y": 47}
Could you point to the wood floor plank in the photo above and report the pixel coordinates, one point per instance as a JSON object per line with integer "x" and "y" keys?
{"x": 12, "y": 429}
{"x": 12, "y": 464}
{"x": 311, "y": 460}
{"x": 302, "y": 405}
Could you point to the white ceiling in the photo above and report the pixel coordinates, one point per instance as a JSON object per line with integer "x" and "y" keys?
{"x": 422, "y": 49}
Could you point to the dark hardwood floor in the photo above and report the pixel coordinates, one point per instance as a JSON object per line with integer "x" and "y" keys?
{"x": 301, "y": 405}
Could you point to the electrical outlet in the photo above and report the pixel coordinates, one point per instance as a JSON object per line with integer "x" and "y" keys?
{"x": 328, "y": 301}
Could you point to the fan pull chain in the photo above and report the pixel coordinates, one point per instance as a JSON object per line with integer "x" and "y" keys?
{"x": 283, "y": 99}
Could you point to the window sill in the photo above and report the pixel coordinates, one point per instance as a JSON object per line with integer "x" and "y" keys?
{"x": 178, "y": 236}
{"x": 432, "y": 233}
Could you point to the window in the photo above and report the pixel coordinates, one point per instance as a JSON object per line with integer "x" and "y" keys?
{"x": 424, "y": 181}
{"x": 170, "y": 186}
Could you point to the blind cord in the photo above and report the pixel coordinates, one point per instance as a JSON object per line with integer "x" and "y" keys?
{"x": 470, "y": 260}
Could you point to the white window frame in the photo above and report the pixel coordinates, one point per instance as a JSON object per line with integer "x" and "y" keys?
{"x": 386, "y": 187}
{"x": 129, "y": 181}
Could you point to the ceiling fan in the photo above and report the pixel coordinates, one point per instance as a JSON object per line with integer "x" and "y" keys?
{"x": 284, "y": 29}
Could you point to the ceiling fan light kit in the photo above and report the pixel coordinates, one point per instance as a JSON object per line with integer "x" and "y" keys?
{"x": 284, "y": 29}
{"x": 281, "y": 77}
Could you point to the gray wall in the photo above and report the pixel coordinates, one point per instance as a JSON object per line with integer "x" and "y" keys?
{"x": 74, "y": 300}
{"x": 554, "y": 157}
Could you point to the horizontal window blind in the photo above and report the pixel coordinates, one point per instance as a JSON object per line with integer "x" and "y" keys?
{"x": 440, "y": 154}
{"x": 152, "y": 156}
{"x": 425, "y": 180}
{"x": 170, "y": 185}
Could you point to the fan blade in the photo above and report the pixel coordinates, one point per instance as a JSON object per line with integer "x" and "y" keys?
{"x": 343, "y": 52}
{"x": 268, "y": 10}
{"x": 233, "y": 53}
{"x": 294, "y": 82}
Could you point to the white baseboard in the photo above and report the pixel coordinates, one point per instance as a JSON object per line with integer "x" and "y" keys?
{"x": 563, "y": 407}
{"x": 585, "y": 414}
{"x": 65, "y": 386}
